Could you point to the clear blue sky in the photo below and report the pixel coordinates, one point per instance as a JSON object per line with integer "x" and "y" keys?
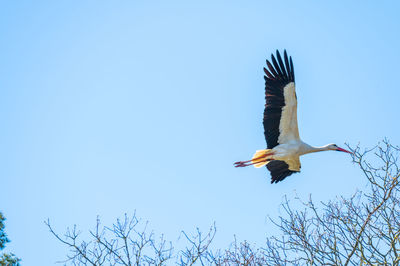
{"x": 113, "y": 106}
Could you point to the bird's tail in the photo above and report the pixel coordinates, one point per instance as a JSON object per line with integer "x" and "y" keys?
{"x": 260, "y": 158}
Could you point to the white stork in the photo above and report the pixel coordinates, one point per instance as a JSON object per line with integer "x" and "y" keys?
{"x": 284, "y": 146}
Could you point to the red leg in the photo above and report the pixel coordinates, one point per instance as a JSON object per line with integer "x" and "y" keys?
{"x": 239, "y": 164}
{"x": 259, "y": 157}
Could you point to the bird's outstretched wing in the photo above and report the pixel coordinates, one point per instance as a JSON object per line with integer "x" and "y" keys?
{"x": 280, "y": 113}
{"x": 281, "y": 169}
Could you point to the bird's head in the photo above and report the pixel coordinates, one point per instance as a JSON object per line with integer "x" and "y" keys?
{"x": 334, "y": 147}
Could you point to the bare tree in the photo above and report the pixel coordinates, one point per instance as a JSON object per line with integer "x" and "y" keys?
{"x": 363, "y": 229}
{"x": 129, "y": 242}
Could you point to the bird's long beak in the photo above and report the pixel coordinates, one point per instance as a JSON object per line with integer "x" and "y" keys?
{"x": 343, "y": 150}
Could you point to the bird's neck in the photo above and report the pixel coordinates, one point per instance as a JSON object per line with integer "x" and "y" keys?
{"x": 312, "y": 149}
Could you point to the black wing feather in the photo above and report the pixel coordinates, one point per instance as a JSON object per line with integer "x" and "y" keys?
{"x": 285, "y": 75}
{"x": 274, "y": 84}
{"x": 287, "y": 65}
{"x": 279, "y": 171}
{"x": 269, "y": 75}
{"x": 271, "y": 68}
{"x": 276, "y": 66}
{"x": 291, "y": 66}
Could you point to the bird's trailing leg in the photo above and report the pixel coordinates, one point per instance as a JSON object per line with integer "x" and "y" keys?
{"x": 256, "y": 164}
{"x": 259, "y": 159}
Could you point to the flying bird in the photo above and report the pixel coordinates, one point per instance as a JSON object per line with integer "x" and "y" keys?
{"x": 284, "y": 146}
